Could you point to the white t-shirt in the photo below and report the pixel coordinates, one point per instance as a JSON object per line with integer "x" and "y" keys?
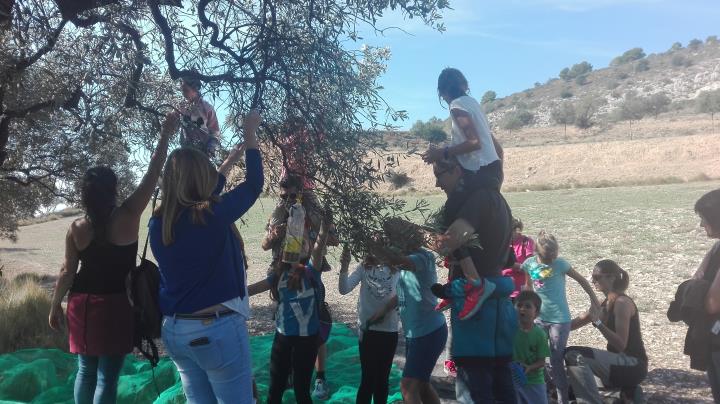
{"x": 486, "y": 154}
{"x": 377, "y": 286}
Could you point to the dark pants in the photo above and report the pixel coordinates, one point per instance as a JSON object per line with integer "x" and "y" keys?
{"x": 377, "y": 350}
{"x": 292, "y": 353}
{"x": 713, "y": 373}
{"x": 481, "y": 384}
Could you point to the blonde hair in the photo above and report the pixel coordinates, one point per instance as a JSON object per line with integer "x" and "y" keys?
{"x": 188, "y": 181}
{"x": 547, "y": 246}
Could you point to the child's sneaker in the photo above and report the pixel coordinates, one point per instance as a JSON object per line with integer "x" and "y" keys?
{"x": 443, "y": 305}
{"x": 321, "y": 391}
{"x": 475, "y": 295}
{"x": 450, "y": 368}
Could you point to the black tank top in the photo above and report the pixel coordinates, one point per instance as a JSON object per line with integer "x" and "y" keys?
{"x": 635, "y": 346}
{"x": 104, "y": 268}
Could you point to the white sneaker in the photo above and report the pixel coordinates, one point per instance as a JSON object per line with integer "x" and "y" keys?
{"x": 321, "y": 391}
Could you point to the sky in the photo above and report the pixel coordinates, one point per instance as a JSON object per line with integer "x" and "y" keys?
{"x": 508, "y": 45}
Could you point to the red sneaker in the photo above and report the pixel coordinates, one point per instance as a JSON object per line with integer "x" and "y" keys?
{"x": 475, "y": 296}
{"x": 450, "y": 368}
{"x": 443, "y": 305}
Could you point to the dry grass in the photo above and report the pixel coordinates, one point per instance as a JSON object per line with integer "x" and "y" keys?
{"x": 24, "y": 309}
{"x": 662, "y": 160}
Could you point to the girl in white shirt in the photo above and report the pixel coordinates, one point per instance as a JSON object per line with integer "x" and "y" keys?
{"x": 378, "y": 329}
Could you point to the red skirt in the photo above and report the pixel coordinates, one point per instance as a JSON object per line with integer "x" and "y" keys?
{"x": 100, "y": 324}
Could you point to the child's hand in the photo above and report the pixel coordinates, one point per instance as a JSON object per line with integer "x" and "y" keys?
{"x": 432, "y": 155}
{"x": 345, "y": 258}
{"x": 170, "y": 124}
{"x": 251, "y": 122}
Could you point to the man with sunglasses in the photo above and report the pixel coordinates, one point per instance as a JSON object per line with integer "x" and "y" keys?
{"x": 481, "y": 346}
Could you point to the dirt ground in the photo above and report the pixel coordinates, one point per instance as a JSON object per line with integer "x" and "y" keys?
{"x": 651, "y": 231}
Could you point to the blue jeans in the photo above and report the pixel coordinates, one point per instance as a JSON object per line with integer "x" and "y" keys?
{"x": 484, "y": 384}
{"x": 212, "y": 357}
{"x": 558, "y": 334}
{"x": 97, "y": 379}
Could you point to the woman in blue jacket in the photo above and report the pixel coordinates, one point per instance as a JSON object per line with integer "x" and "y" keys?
{"x": 203, "y": 294}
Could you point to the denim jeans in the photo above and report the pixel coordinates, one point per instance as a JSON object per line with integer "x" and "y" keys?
{"x": 484, "y": 384}
{"x": 558, "y": 333}
{"x": 97, "y": 379}
{"x": 212, "y": 357}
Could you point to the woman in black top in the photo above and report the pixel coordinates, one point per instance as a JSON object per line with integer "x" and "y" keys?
{"x": 708, "y": 208}
{"x": 624, "y": 364}
{"x": 103, "y": 245}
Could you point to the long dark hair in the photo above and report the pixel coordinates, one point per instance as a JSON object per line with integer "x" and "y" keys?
{"x": 452, "y": 83}
{"x": 99, "y": 198}
{"x": 622, "y": 279}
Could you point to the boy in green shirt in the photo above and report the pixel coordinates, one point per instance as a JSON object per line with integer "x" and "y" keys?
{"x": 530, "y": 348}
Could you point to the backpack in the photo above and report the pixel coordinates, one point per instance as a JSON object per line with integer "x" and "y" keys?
{"x": 144, "y": 296}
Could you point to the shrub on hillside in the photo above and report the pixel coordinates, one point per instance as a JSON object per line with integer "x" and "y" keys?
{"x": 642, "y": 65}
{"x": 24, "y": 309}
{"x": 680, "y": 61}
{"x": 489, "y": 96}
{"x": 695, "y": 44}
{"x": 566, "y": 93}
{"x": 628, "y": 56}
{"x": 564, "y": 115}
{"x": 676, "y": 47}
{"x": 585, "y": 110}
{"x": 708, "y": 102}
{"x": 575, "y": 71}
{"x": 430, "y": 131}
{"x": 657, "y": 104}
{"x": 516, "y": 119}
{"x": 581, "y": 80}
{"x": 622, "y": 75}
{"x": 711, "y": 40}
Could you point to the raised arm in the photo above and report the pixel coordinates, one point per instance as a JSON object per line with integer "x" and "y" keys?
{"x": 65, "y": 279}
{"x": 585, "y": 285}
{"x": 347, "y": 283}
{"x": 236, "y": 202}
{"x": 136, "y": 203}
{"x": 318, "y": 252}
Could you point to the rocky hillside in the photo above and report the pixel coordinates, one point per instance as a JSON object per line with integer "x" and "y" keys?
{"x": 677, "y": 77}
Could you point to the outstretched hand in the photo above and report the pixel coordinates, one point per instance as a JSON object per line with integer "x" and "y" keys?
{"x": 432, "y": 155}
{"x": 170, "y": 124}
{"x": 251, "y": 122}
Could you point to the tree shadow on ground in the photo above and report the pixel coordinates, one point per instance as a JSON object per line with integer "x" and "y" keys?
{"x": 676, "y": 386}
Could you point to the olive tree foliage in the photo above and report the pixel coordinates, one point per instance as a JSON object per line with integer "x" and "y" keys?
{"x": 88, "y": 86}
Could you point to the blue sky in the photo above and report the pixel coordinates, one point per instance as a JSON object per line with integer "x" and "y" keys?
{"x": 508, "y": 45}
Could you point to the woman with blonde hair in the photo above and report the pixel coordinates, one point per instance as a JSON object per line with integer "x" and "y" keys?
{"x": 203, "y": 292}
{"x": 546, "y": 274}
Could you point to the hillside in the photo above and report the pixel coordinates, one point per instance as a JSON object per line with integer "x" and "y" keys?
{"x": 637, "y": 96}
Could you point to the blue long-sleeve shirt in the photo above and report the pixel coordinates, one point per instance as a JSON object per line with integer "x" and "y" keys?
{"x": 204, "y": 265}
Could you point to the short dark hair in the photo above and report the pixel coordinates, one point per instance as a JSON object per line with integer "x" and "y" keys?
{"x": 291, "y": 181}
{"x": 193, "y": 83}
{"x": 517, "y": 224}
{"x": 529, "y": 296}
{"x": 708, "y": 206}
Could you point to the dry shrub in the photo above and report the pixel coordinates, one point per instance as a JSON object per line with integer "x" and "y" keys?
{"x": 24, "y": 309}
{"x": 398, "y": 179}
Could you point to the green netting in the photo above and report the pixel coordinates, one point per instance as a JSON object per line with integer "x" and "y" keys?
{"x": 46, "y": 376}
